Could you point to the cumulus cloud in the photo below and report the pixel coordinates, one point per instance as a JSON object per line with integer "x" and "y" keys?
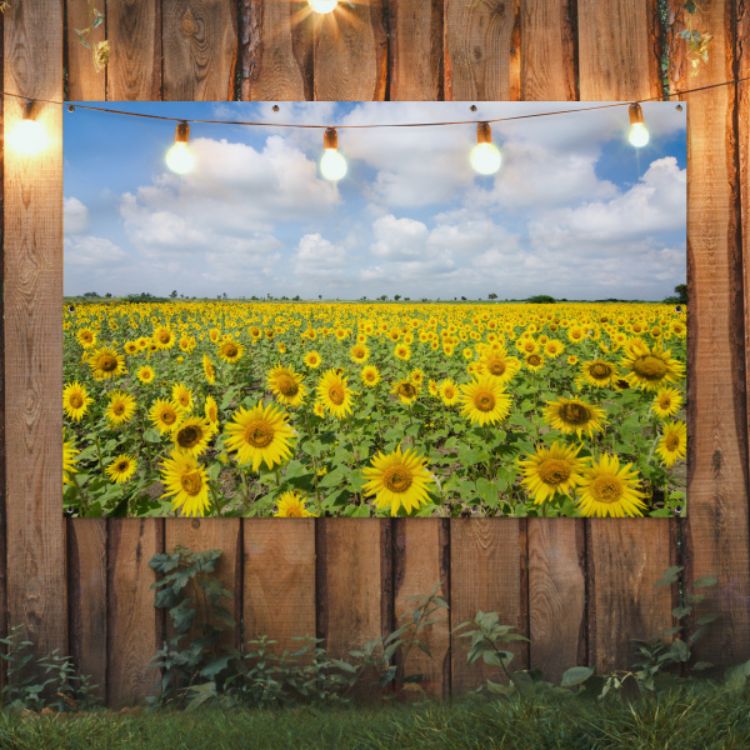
{"x": 75, "y": 216}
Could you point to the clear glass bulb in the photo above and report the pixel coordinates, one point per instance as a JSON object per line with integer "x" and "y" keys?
{"x": 323, "y": 6}
{"x": 638, "y": 135}
{"x": 485, "y": 158}
{"x": 180, "y": 159}
{"x": 333, "y": 165}
{"x": 27, "y": 137}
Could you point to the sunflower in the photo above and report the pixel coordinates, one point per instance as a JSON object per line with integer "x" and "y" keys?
{"x": 122, "y": 469}
{"x": 286, "y": 385}
{"x": 673, "y": 442}
{"x": 260, "y": 435}
{"x": 534, "y": 361}
{"x": 608, "y": 489}
{"x": 497, "y": 364}
{"x": 312, "y": 360}
{"x": 599, "y": 373}
{"x": 667, "y": 402}
{"x": 573, "y": 416}
{"x": 106, "y": 363}
{"x": 164, "y": 415}
{"x": 551, "y": 471}
{"x": 402, "y": 351}
{"x": 185, "y": 481}
{"x": 163, "y": 338}
{"x": 191, "y": 435}
{"x": 448, "y": 392}
{"x": 359, "y": 354}
{"x": 230, "y": 351}
{"x": 70, "y": 456}
{"x": 211, "y": 412}
{"x": 398, "y": 480}
{"x": 650, "y": 368}
{"x": 76, "y": 400}
{"x": 370, "y": 375}
{"x": 484, "y": 401}
{"x": 209, "y": 371}
{"x": 146, "y": 374}
{"x": 334, "y": 393}
{"x": 182, "y": 398}
{"x": 406, "y": 391}
{"x": 120, "y": 408}
{"x": 292, "y": 505}
{"x": 86, "y": 338}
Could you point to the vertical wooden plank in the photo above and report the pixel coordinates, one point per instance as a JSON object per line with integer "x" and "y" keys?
{"x": 482, "y": 49}
{"x": 557, "y": 595}
{"x": 32, "y": 290}
{"x": 87, "y": 582}
{"x": 279, "y": 579}
{"x": 354, "y": 581}
{"x": 488, "y": 558}
{"x": 135, "y": 627}
{"x": 276, "y": 50}
{"x": 84, "y": 81}
{"x": 618, "y": 55}
{"x": 416, "y": 50}
{"x": 199, "y": 39}
{"x": 548, "y": 50}
{"x": 200, "y": 535}
{"x": 625, "y": 557}
{"x": 350, "y": 53}
{"x": 134, "y": 32}
{"x": 420, "y": 567}
{"x": 717, "y": 522}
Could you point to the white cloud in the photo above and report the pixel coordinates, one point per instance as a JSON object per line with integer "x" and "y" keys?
{"x": 317, "y": 256}
{"x": 75, "y": 216}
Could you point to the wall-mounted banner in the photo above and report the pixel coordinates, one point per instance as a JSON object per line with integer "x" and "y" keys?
{"x": 373, "y": 309}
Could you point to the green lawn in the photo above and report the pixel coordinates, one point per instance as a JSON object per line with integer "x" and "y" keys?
{"x": 700, "y": 717}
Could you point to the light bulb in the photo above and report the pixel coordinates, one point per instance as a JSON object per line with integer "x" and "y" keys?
{"x": 28, "y": 136}
{"x": 332, "y": 164}
{"x": 323, "y": 6}
{"x": 638, "y": 134}
{"x": 180, "y": 158}
{"x": 485, "y": 157}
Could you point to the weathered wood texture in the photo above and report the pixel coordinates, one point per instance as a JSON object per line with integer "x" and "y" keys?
{"x": 580, "y": 590}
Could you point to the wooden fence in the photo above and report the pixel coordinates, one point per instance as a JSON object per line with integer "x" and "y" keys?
{"x": 579, "y": 589}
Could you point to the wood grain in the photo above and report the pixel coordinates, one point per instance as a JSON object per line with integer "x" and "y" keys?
{"x": 482, "y": 49}
{"x": 548, "y": 55}
{"x": 421, "y": 568}
{"x": 276, "y": 42}
{"x": 199, "y": 39}
{"x": 84, "y": 81}
{"x": 353, "y": 582}
{"x": 200, "y": 535}
{"x": 87, "y": 598}
{"x": 134, "y": 32}
{"x": 32, "y": 332}
{"x": 279, "y": 579}
{"x": 135, "y": 627}
{"x": 557, "y": 595}
{"x": 350, "y": 53}
{"x": 488, "y": 560}
{"x": 717, "y": 523}
{"x": 416, "y": 49}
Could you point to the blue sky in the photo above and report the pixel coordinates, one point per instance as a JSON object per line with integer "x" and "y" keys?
{"x": 575, "y": 211}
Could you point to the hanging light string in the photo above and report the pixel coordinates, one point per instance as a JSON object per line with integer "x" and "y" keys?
{"x": 372, "y": 126}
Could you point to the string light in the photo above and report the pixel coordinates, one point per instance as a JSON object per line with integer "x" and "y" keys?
{"x": 638, "y": 134}
{"x": 485, "y": 157}
{"x": 332, "y": 164}
{"x": 323, "y": 6}
{"x": 28, "y": 136}
{"x": 180, "y": 158}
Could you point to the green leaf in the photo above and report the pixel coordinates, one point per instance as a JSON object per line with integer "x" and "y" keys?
{"x": 575, "y": 676}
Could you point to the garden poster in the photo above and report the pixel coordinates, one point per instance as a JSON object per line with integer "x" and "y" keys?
{"x": 375, "y": 309}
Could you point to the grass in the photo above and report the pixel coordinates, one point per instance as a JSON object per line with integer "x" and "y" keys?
{"x": 698, "y": 716}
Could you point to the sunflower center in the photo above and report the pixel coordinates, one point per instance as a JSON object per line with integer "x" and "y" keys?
{"x": 230, "y": 350}
{"x": 189, "y": 437}
{"x": 122, "y": 465}
{"x": 168, "y": 417}
{"x": 449, "y": 392}
{"x": 650, "y": 367}
{"x": 407, "y": 390}
{"x": 287, "y": 385}
{"x": 534, "y": 360}
{"x": 484, "y": 401}
{"x": 336, "y": 394}
{"x": 574, "y": 413}
{"x": 259, "y": 434}
{"x": 607, "y": 489}
{"x": 76, "y": 401}
{"x": 600, "y": 371}
{"x": 665, "y": 402}
{"x": 672, "y": 442}
{"x": 164, "y": 337}
{"x": 554, "y": 471}
{"x": 397, "y": 478}
{"x": 191, "y": 482}
{"x": 118, "y": 408}
{"x": 108, "y": 363}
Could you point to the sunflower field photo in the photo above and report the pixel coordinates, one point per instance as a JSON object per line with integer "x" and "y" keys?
{"x": 447, "y": 320}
